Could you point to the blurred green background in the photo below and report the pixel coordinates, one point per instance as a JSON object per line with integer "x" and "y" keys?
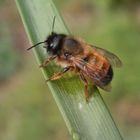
{"x": 27, "y": 109}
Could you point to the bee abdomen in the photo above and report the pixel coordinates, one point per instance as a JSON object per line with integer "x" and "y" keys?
{"x": 108, "y": 77}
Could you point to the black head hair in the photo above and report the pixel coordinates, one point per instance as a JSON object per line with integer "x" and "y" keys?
{"x": 54, "y": 43}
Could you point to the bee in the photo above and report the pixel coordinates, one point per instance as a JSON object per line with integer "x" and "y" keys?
{"x": 88, "y": 61}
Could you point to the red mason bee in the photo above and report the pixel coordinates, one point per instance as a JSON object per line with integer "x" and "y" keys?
{"x": 74, "y": 54}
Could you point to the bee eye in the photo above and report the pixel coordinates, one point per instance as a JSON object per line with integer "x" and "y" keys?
{"x": 51, "y": 45}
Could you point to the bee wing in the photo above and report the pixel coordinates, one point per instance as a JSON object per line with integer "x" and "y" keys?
{"x": 92, "y": 72}
{"x": 112, "y": 58}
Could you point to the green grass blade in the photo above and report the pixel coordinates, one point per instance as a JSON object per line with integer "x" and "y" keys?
{"x": 90, "y": 121}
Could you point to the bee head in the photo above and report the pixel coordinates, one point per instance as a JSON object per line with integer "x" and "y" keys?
{"x": 53, "y": 43}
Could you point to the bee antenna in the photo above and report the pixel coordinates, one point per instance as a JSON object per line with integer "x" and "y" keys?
{"x": 36, "y": 45}
{"x": 53, "y": 24}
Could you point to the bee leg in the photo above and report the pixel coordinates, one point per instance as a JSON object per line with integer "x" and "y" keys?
{"x": 60, "y": 74}
{"x": 45, "y": 62}
{"x": 85, "y": 86}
